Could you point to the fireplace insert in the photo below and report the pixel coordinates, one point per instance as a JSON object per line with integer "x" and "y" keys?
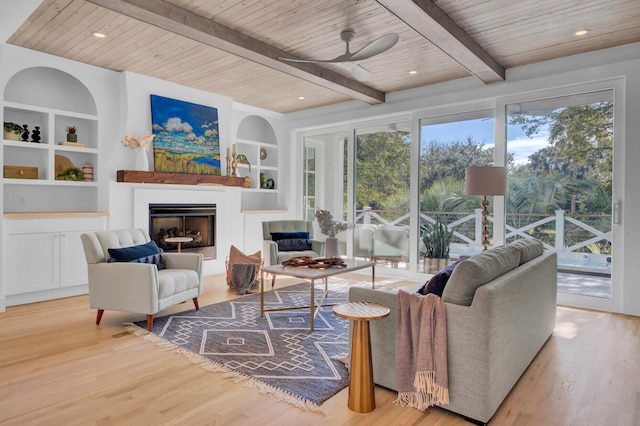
{"x": 196, "y": 221}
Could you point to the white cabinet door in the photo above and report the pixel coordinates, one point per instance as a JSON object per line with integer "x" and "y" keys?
{"x": 73, "y": 265}
{"x": 34, "y": 262}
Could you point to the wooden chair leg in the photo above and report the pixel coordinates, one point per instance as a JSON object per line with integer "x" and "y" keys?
{"x": 99, "y": 316}
{"x": 149, "y": 322}
{"x": 196, "y": 304}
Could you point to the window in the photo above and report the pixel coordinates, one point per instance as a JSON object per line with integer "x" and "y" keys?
{"x": 449, "y": 144}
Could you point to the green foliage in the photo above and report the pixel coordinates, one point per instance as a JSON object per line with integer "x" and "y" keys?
{"x": 437, "y": 239}
{"x": 72, "y": 173}
{"x": 12, "y": 127}
{"x": 580, "y": 149}
{"x": 382, "y": 167}
{"x": 447, "y": 195}
{"x": 445, "y": 160}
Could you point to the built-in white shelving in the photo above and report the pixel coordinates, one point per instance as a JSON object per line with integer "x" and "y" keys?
{"x": 38, "y": 106}
{"x": 256, "y": 139}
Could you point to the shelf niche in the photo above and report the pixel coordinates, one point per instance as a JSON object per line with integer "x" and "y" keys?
{"x": 257, "y": 140}
{"x": 52, "y": 100}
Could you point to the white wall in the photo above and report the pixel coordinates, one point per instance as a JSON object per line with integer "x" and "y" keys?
{"x": 123, "y": 107}
{"x": 620, "y": 66}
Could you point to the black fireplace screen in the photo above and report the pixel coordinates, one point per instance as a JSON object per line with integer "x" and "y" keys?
{"x": 196, "y": 221}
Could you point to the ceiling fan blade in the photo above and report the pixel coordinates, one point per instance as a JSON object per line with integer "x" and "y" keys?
{"x": 376, "y": 47}
{"x": 359, "y": 72}
{"x": 336, "y": 60}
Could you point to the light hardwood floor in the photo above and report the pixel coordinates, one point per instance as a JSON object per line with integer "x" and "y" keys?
{"x": 58, "y": 368}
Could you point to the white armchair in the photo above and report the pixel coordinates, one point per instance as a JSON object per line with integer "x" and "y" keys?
{"x": 270, "y": 252}
{"x": 391, "y": 242}
{"x": 138, "y": 287}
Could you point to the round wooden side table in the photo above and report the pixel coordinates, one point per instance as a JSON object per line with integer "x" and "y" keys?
{"x": 361, "y": 387}
{"x": 178, "y": 240}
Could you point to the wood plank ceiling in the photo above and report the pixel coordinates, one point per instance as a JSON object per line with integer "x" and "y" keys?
{"x": 205, "y": 44}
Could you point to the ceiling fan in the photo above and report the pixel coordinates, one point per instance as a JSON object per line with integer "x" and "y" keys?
{"x": 350, "y": 60}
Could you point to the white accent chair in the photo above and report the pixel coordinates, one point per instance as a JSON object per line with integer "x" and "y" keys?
{"x": 391, "y": 242}
{"x": 270, "y": 252}
{"x": 138, "y": 287}
{"x": 382, "y": 242}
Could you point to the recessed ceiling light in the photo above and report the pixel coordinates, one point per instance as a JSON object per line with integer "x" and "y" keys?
{"x": 413, "y": 72}
{"x": 301, "y": 98}
{"x": 99, "y": 35}
{"x": 581, "y": 32}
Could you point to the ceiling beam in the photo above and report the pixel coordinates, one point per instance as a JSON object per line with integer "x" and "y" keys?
{"x": 175, "y": 19}
{"x": 436, "y": 26}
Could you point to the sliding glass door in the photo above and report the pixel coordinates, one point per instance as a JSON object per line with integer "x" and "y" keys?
{"x": 449, "y": 144}
{"x": 382, "y": 182}
{"x": 561, "y": 185}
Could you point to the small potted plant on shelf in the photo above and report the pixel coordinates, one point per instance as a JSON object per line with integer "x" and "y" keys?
{"x": 72, "y": 173}
{"x": 12, "y": 131}
{"x": 71, "y": 134}
{"x": 437, "y": 243}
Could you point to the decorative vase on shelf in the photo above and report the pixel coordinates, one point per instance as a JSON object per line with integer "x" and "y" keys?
{"x": 87, "y": 172}
{"x": 331, "y": 247}
{"x": 142, "y": 161}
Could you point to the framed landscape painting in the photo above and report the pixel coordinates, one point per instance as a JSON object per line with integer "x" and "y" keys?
{"x": 186, "y": 137}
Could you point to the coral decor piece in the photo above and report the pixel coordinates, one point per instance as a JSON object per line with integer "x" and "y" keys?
{"x": 328, "y": 226}
{"x": 134, "y": 142}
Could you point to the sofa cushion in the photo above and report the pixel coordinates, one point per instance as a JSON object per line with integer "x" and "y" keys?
{"x": 437, "y": 283}
{"x": 176, "y": 281}
{"x": 529, "y": 249}
{"x": 276, "y": 236}
{"x": 143, "y": 253}
{"x": 477, "y": 270}
{"x": 294, "y": 244}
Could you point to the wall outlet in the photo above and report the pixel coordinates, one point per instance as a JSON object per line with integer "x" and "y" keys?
{"x": 21, "y": 201}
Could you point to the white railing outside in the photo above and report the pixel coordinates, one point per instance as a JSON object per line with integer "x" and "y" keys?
{"x": 568, "y": 256}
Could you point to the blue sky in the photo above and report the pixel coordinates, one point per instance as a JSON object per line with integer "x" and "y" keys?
{"x": 481, "y": 130}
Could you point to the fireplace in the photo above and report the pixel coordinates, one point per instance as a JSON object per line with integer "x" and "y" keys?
{"x": 197, "y": 221}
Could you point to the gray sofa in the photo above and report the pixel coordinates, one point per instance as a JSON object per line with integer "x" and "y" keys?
{"x": 501, "y": 309}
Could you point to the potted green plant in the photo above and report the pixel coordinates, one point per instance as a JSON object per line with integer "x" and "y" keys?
{"x": 12, "y": 131}
{"x": 71, "y": 134}
{"x": 72, "y": 173}
{"x": 437, "y": 243}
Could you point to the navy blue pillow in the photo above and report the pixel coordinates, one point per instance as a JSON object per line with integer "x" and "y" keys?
{"x": 276, "y": 236}
{"x": 437, "y": 282}
{"x": 143, "y": 253}
{"x": 294, "y": 244}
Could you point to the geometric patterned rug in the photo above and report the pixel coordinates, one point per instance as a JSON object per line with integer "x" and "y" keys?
{"x": 277, "y": 353}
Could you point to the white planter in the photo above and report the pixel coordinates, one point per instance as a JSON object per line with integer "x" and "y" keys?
{"x": 142, "y": 161}
{"x": 331, "y": 247}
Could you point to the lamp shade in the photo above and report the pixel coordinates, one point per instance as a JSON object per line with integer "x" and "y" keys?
{"x": 485, "y": 181}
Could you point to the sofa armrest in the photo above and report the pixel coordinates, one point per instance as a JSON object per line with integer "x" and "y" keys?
{"x": 126, "y": 286}
{"x": 318, "y": 247}
{"x": 269, "y": 252}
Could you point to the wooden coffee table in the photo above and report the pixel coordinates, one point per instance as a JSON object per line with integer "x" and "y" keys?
{"x": 311, "y": 275}
{"x": 361, "y": 388}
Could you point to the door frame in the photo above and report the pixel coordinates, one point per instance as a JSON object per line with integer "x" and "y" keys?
{"x": 614, "y": 304}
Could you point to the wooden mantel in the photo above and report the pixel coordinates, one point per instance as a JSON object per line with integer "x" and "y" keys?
{"x": 135, "y": 176}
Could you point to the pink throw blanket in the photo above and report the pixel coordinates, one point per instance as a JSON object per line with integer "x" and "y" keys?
{"x": 421, "y": 351}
